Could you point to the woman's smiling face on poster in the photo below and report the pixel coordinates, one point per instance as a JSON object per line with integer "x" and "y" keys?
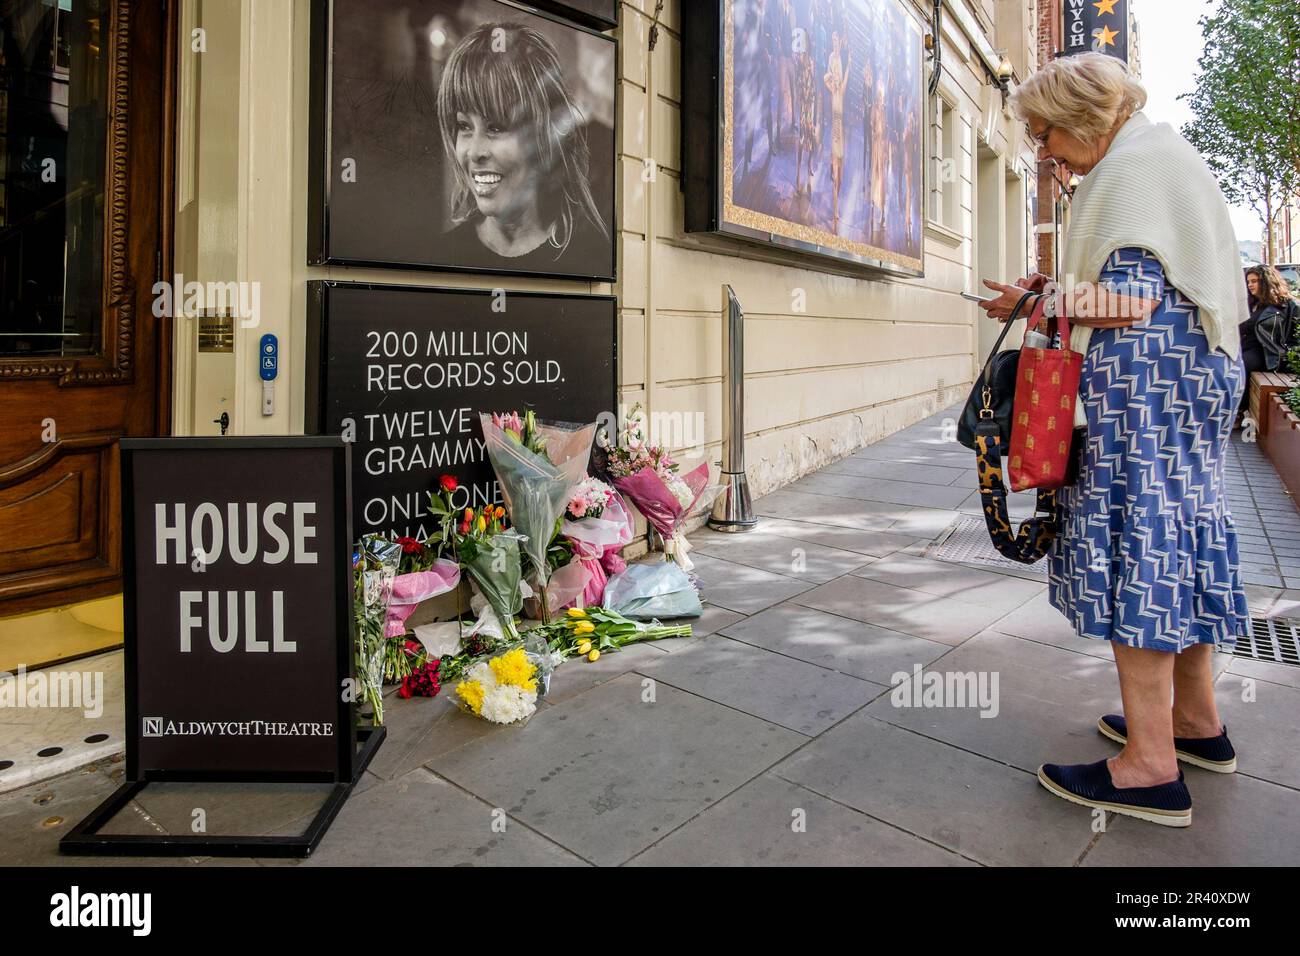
{"x": 500, "y": 167}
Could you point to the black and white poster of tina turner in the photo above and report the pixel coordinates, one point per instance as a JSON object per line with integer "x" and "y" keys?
{"x": 465, "y": 135}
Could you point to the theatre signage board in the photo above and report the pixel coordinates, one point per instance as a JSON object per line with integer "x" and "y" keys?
{"x": 402, "y": 373}
{"x": 237, "y": 609}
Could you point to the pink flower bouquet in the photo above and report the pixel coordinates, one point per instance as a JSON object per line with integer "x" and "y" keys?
{"x": 596, "y": 540}
{"x": 655, "y": 484}
{"x": 410, "y": 590}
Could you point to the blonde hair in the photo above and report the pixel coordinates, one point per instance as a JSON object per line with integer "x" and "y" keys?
{"x": 1086, "y": 95}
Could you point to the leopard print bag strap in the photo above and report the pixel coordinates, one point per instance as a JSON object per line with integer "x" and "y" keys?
{"x": 1035, "y": 535}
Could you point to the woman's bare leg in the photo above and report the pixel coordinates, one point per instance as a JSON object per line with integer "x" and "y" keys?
{"x": 1195, "y": 712}
{"x": 1145, "y": 677}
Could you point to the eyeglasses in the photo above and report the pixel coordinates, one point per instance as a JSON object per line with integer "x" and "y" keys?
{"x": 1041, "y": 138}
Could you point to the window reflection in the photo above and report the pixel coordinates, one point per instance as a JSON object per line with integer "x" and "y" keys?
{"x": 53, "y": 114}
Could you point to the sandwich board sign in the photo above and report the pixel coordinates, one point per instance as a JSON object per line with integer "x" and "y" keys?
{"x": 238, "y": 630}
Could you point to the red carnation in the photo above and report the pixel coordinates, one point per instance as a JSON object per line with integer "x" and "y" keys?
{"x": 421, "y": 682}
{"x": 410, "y": 546}
{"x": 449, "y": 483}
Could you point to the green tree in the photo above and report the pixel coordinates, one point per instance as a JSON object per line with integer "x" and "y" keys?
{"x": 1247, "y": 103}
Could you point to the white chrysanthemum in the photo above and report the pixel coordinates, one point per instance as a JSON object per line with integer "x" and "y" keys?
{"x": 482, "y": 673}
{"x": 505, "y": 705}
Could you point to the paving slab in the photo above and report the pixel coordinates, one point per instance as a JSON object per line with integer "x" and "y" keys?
{"x": 713, "y": 619}
{"x": 851, "y": 647}
{"x": 1037, "y": 620}
{"x": 900, "y": 609}
{"x": 925, "y": 522}
{"x": 1285, "y": 674}
{"x": 740, "y": 588}
{"x": 421, "y": 820}
{"x": 606, "y": 773}
{"x": 829, "y": 510}
{"x": 881, "y": 489}
{"x": 769, "y": 822}
{"x": 425, "y": 727}
{"x": 242, "y": 809}
{"x": 802, "y": 697}
{"x": 803, "y": 560}
{"x": 578, "y": 675}
{"x": 35, "y": 818}
{"x": 913, "y": 454}
{"x": 1045, "y": 708}
{"x": 945, "y": 579}
{"x": 1236, "y": 821}
{"x": 875, "y": 544}
{"x": 1262, "y": 729}
{"x": 982, "y": 809}
{"x": 898, "y": 471}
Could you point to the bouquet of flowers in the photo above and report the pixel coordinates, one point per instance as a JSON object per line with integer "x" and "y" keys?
{"x": 591, "y": 631}
{"x": 489, "y": 553}
{"x": 597, "y": 526}
{"x": 374, "y": 567}
{"x": 423, "y": 574}
{"x": 653, "y": 480}
{"x": 538, "y": 466}
{"x": 501, "y": 688}
{"x": 422, "y": 679}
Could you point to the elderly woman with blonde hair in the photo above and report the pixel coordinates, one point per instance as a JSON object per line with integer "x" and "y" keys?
{"x": 1146, "y": 556}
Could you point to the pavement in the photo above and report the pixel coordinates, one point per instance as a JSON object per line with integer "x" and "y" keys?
{"x": 774, "y": 734}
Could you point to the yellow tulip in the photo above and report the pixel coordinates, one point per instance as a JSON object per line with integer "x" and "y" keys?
{"x": 577, "y": 612}
{"x": 584, "y": 627}
{"x": 584, "y": 646}
{"x": 593, "y": 656}
{"x": 481, "y": 523}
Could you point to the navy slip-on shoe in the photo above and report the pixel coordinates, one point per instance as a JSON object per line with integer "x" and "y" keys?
{"x": 1208, "y": 753}
{"x": 1089, "y": 785}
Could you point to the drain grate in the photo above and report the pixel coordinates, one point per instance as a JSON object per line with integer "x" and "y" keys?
{"x": 1272, "y": 639}
{"x": 968, "y": 541}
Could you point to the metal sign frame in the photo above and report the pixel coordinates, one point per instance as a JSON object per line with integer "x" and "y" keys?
{"x": 355, "y": 746}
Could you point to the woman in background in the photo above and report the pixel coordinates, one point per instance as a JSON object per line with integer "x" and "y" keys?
{"x": 517, "y": 145}
{"x": 1270, "y": 330}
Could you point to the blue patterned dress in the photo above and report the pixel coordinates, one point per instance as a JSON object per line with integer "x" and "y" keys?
{"x": 1148, "y": 552}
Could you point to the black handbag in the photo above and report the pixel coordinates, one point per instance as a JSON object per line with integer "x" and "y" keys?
{"x": 985, "y": 428}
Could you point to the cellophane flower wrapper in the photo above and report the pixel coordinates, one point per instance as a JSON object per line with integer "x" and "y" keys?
{"x": 536, "y": 488}
{"x": 494, "y": 693}
{"x": 375, "y": 568}
{"x": 667, "y": 511}
{"x": 412, "y": 590}
{"x": 495, "y": 569}
{"x": 582, "y": 582}
{"x": 653, "y": 590}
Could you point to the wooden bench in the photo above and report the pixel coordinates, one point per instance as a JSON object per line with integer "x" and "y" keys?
{"x": 1262, "y": 385}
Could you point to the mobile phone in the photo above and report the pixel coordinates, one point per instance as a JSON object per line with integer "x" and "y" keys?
{"x": 972, "y": 297}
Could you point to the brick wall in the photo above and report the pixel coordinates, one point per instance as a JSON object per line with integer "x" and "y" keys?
{"x": 1049, "y": 41}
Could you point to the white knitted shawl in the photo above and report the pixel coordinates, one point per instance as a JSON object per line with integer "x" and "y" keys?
{"x": 1153, "y": 191}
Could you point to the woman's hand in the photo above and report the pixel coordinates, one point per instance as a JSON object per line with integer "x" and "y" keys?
{"x": 1034, "y": 283}
{"x": 1002, "y": 307}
